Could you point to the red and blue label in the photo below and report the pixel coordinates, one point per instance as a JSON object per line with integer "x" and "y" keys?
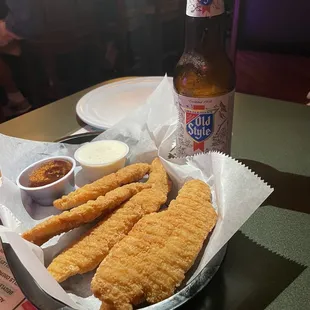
{"x": 199, "y": 126}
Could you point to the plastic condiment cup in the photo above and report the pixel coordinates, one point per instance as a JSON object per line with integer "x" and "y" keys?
{"x": 94, "y": 171}
{"x": 45, "y": 195}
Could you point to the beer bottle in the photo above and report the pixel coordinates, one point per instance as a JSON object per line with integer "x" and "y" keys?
{"x": 204, "y": 82}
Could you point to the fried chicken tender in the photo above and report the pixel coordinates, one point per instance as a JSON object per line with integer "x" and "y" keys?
{"x": 151, "y": 261}
{"x": 159, "y": 177}
{"x": 88, "y": 252}
{"x": 83, "y": 214}
{"x": 129, "y": 174}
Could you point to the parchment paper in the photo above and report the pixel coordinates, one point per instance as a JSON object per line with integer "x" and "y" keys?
{"x": 149, "y": 131}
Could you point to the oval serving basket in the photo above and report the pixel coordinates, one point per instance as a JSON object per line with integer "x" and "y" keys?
{"x": 183, "y": 294}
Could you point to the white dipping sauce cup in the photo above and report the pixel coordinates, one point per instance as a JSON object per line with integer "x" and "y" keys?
{"x": 101, "y": 158}
{"x": 45, "y": 195}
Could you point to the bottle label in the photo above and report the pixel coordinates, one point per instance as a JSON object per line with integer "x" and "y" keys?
{"x": 204, "y": 8}
{"x": 205, "y": 124}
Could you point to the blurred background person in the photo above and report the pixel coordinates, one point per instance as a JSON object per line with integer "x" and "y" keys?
{"x": 16, "y": 102}
{"x": 45, "y": 26}
{"x": 53, "y": 35}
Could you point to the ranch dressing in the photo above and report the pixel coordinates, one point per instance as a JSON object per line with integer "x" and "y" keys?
{"x": 102, "y": 152}
{"x": 101, "y": 158}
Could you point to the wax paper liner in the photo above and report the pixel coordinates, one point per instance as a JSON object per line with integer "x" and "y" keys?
{"x": 237, "y": 192}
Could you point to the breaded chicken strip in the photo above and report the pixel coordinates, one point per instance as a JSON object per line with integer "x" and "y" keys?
{"x": 83, "y": 214}
{"x": 151, "y": 261}
{"x": 88, "y": 252}
{"x": 158, "y": 177}
{"x": 129, "y": 174}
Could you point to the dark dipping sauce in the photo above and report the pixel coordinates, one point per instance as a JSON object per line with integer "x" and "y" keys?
{"x": 49, "y": 172}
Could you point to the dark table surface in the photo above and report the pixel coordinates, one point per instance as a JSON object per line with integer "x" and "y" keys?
{"x": 272, "y": 138}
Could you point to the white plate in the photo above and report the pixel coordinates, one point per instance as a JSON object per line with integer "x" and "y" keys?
{"x": 105, "y": 106}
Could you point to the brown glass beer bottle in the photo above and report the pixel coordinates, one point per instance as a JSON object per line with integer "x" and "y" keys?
{"x": 204, "y": 82}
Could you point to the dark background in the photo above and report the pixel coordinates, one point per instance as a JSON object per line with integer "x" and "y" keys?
{"x": 269, "y": 45}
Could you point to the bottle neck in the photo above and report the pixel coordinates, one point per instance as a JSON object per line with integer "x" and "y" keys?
{"x": 204, "y": 35}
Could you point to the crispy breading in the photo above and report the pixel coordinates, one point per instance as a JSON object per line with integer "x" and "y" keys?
{"x": 129, "y": 174}
{"x": 158, "y": 177}
{"x": 83, "y": 214}
{"x": 88, "y": 252}
{"x": 105, "y": 306}
{"x": 151, "y": 261}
